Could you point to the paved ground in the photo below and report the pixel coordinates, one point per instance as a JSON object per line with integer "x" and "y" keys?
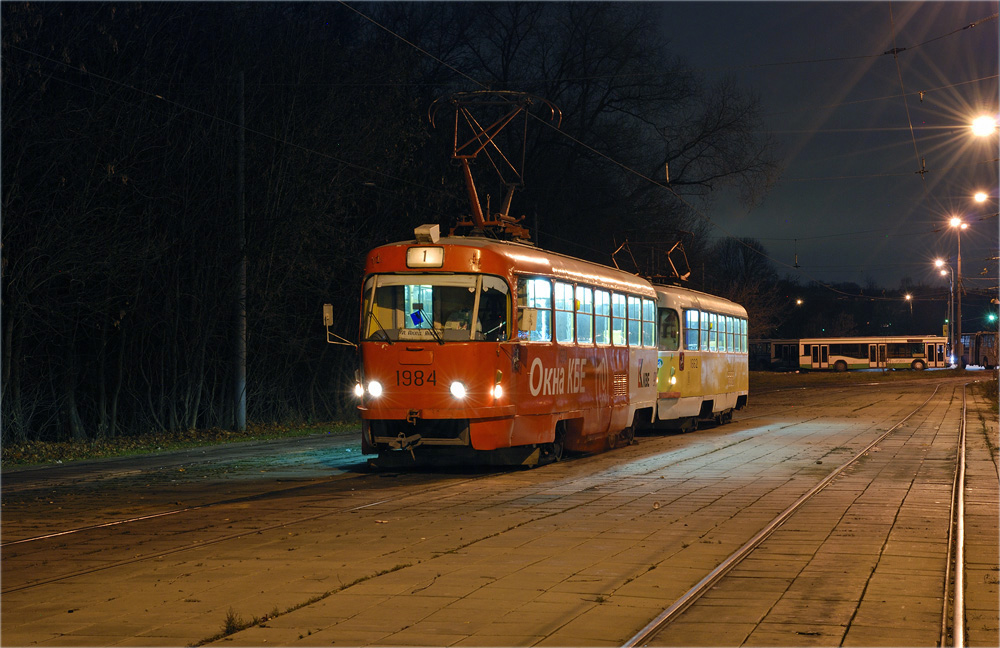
{"x": 584, "y": 552}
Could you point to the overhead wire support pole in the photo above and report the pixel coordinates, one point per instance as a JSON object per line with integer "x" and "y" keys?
{"x": 240, "y": 332}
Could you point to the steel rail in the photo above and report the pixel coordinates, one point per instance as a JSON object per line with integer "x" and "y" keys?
{"x": 958, "y": 623}
{"x": 693, "y": 594}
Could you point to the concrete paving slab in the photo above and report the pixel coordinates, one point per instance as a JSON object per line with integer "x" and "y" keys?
{"x": 798, "y": 633}
{"x": 687, "y": 633}
{"x": 862, "y": 636}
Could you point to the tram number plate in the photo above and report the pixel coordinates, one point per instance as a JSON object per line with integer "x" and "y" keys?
{"x": 416, "y": 378}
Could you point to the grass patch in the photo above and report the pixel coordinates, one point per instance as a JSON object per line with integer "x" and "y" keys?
{"x": 39, "y": 452}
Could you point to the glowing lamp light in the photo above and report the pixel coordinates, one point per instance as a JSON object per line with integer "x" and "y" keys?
{"x": 497, "y": 391}
{"x": 375, "y": 388}
{"x": 457, "y": 389}
{"x": 981, "y": 196}
{"x": 983, "y": 126}
{"x": 359, "y": 390}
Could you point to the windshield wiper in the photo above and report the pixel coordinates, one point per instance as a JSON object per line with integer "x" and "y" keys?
{"x": 381, "y": 328}
{"x": 431, "y": 323}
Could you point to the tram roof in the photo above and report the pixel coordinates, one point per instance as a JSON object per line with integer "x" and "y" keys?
{"x": 522, "y": 257}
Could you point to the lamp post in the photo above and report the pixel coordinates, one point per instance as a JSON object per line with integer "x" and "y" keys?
{"x": 957, "y": 224}
{"x": 946, "y": 270}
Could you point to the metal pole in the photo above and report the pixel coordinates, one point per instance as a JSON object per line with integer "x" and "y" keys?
{"x": 240, "y": 385}
{"x": 951, "y": 312}
{"x": 958, "y": 308}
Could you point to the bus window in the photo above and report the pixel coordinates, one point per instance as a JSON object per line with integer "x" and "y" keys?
{"x": 602, "y": 317}
{"x": 535, "y": 295}
{"x": 634, "y": 321}
{"x": 648, "y": 323}
{"x": 669, "y": 326}
{"x": 691, "y": 330}
{"x": 564, "y": 312}
{"x": 617, "y": 319}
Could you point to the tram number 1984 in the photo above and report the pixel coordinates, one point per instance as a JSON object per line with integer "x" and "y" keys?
{"x": 416, "y": 378}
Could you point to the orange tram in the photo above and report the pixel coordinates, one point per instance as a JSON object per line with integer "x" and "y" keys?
{"x": 475, "y": 350}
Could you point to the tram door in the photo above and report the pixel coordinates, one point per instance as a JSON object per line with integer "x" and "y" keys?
{"x": 876, "y": 355}
{"x": 821, "y": 356}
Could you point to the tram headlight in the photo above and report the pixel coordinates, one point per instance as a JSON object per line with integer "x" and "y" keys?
{"x": 497, "y": 389}
{"x": 375, "y": 389}
{"x": 457, "y": 389}
{"x": 359, "y": 390}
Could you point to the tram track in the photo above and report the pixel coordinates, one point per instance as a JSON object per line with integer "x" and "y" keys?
{"x": 312, "y": 484}
{"x": 360, "y": 482}
{"x": 511, "y": 503}
{"x": 22, "y": 485}
{"x": 650, "y": 634}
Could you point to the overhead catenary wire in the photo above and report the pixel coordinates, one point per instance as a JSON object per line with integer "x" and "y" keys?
{"x": 694, "y": 210}
{"x": 697, "y": 212}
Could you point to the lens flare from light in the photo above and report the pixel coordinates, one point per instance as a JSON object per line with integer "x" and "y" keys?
{"x": 375, "y": 389}
{"x": 457, "y": 390}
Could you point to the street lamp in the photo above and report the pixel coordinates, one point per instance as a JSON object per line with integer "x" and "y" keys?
{"x": 957, "y": 224}
{"x": 946, "y": 270}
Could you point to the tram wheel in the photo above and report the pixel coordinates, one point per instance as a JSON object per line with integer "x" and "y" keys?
{"x": 627, "y": 435}
{"x": 554, "y": 450}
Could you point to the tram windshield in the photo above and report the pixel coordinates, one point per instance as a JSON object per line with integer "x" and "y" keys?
{"x": 435, "y": 307}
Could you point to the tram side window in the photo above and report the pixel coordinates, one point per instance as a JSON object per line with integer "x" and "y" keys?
{"x": 602, "y": 317}
{"x": 743, "y": 335}
{"x": 648, "y": 323}
{"x": 669, "y": 330}
{"x": 710, "y": 331}
{"x": 535, "y": 296}
{"x": 634, "y": 321}
{"x": 617, "y": 319}
{"x": 725, "y": 335}
{"x": 564, "y": 312}
{"x": 691, "y": 330}
{"x": 584, "y": 315}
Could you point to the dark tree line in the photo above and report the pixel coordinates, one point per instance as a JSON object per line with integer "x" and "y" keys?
{"x": 120, "y": 172}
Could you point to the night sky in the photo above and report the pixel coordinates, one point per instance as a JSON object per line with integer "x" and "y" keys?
{"x": 850, "y": 203}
